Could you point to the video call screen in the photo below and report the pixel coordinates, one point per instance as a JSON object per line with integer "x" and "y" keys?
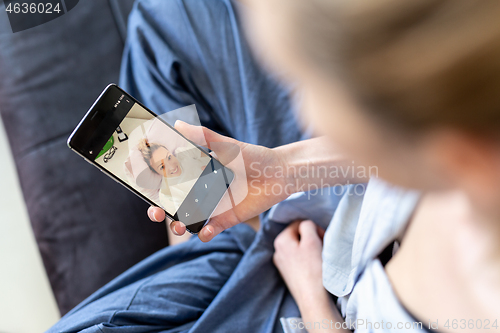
{"x": 153, "y": 159}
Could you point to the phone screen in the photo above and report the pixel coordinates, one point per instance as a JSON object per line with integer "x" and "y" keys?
{"x": 149, "y": 157}
{"x": 153, "y": 159}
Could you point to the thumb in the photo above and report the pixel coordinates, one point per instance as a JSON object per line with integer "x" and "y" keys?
{"x": 226, "y": 149}
{"x": 200, "y": 135}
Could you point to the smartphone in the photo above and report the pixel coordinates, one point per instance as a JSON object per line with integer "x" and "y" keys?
{"x": 141, "y": 151}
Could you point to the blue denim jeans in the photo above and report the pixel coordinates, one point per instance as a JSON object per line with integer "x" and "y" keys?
{"x": 182, "y": 52}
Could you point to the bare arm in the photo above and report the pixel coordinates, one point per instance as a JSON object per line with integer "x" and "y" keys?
{"x": 322, "y": 311}
{"x": 315, "y": 163}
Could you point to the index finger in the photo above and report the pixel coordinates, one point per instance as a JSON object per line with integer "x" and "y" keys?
{"x": 156, "y": 214}
{"x": 291, "y": 231}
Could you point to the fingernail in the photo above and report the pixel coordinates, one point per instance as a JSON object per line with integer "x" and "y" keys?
{"x": 208, "y": 231}
{"x": 175, "y": 231}
{"x": 156, "y": 218}
{"x": 152, "y": 216}
{"x": 177, "y": 122}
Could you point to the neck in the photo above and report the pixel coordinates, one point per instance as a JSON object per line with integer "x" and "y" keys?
{"x": 460, "y": 261}
{"x": 479, "y": 239}
{"x": 474, "y": 223}
{"x": 484, "y": 222}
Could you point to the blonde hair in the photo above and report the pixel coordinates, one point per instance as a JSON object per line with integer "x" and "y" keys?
{"x": 147, "y": 149}
{"x": 415, "y": 64}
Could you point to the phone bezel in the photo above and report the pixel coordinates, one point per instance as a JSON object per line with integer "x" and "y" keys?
{"x": 191, "y": 228}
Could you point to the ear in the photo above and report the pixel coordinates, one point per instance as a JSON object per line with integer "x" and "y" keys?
{"x": 469, "y": 162}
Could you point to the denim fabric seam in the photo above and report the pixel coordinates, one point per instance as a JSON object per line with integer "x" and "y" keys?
{"x": 147, "y": 280}
{"x": 201, "y": 59}
{"x": 239, "y": 57}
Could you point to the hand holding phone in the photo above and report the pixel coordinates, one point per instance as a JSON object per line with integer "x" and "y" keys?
{"x": 142, "y": 152}
{"x": 253, "y": 181}
{"x": 166, "y": 167}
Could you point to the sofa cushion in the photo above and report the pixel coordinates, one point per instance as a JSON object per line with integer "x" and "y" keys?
{"x": 89, "y": 229}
